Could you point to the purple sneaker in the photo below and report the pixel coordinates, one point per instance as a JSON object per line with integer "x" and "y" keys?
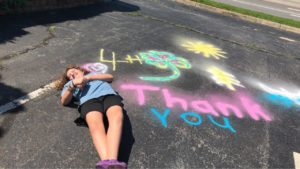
{"x": 103, "y": 164}
{"x": 115, "y": 164}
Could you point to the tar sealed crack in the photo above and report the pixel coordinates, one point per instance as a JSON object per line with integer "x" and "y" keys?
{"x": 247, "y": 45}
{"x": 44, "y": 42}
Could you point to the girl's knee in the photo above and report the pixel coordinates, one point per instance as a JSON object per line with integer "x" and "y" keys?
{"x": 115, "y": 114}
{"x": 96, "y": 128}
{"x": 94, "y": 120}
{"x": 119, "y": 115}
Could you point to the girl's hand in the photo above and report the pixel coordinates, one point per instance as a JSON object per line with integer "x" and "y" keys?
{"x": 80, "y": 82}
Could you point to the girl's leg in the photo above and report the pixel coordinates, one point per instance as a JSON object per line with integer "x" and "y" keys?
{"x": 115, "y": 120}
{"x": 94, "y": 120}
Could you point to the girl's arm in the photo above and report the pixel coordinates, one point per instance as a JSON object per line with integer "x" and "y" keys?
{"x": 105, "y": 77}
{"x": 67, "y": 96}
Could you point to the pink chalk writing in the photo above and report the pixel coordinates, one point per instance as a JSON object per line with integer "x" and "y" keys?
{"x": 253, "y": 109}
{"x": 239, "y": 105}
{"x": 140, "y": 91}
{"x": 170, "y": 101}
{"x": 226, "y": 108}
{"x": 204, "y": 106}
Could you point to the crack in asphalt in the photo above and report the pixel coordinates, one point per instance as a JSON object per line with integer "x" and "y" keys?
{"x": 51, "y": 35}
{"x": 44, "y": 42}
{"x": 51, "y": 30}
{"x": 247, "y": 45}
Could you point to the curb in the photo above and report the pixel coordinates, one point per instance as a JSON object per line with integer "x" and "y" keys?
{"x": 240, "y": 16}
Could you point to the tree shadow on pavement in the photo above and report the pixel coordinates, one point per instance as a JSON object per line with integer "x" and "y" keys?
{"x": 13, "y": 26}
{"x": 8, "y": 94}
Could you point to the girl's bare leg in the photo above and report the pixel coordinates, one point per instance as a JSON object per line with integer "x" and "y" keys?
{"x": 115, "y": 120}
{"x": 94, "y": 120}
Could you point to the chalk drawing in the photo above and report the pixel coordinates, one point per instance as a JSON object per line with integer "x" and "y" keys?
{"x": 224, "y": 78}
{"x": 159, "y": 59}
{"x": 94, "y": 67}
{"x": 129, "y": 59}
{"x": 281, "y": 96}
{"x": 140, "y": 89}
{"x": 164, "y": 60}
{"x": 225, "y": 125}
{"x": 136, "y": 58}
{"x": 113, "y": 61}
{"x": 189, "y": 114}
{"x": 162, "y": 118}
{"x": 226, "y": 109}
{"x": 206, "y": 49}
{"x": 238, "y": 105}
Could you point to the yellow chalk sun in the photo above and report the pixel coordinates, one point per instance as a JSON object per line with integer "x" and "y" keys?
{"x": 223, "y": 78}
{"x": 206, "y": 49}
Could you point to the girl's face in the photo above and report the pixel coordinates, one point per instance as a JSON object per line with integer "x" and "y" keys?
{"x": 74, "y": 73}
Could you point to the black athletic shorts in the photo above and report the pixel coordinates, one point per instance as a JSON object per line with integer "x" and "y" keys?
{"x": 100, "y": 104}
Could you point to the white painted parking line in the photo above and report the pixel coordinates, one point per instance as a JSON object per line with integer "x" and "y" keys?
{"x": 297, "y": 160}
{"x": 22, "y": 100}
{"x": 293, "y": 9}
{"x": 287, "y": 39}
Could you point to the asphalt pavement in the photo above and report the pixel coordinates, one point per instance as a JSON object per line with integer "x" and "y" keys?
{"x": 201, "y": 90}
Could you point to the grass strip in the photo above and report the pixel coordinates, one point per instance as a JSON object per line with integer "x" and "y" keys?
{"x": 261, "y": 15}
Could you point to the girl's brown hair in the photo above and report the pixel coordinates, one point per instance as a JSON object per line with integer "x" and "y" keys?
{"x": 64, "y": 78}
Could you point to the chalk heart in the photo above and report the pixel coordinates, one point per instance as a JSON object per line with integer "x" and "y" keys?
{"x": 94, "y": 67}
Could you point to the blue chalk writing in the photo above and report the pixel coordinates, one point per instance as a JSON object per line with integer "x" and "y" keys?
{"x": 226, "y": 123}
{"x": 279, "y": 100}
{"x": 162, "y": 118}
{"x": 184, "y": 117}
